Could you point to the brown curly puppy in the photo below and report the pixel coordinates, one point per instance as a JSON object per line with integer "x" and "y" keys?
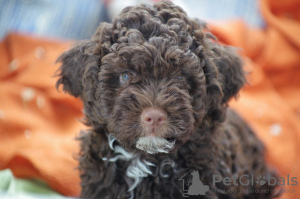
{"x": 155, "y": 86}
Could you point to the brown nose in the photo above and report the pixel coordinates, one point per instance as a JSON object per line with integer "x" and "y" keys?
{"x": 154, "y": 117}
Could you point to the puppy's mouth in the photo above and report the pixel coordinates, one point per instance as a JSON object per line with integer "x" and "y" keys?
{"x": 153, "y": 144}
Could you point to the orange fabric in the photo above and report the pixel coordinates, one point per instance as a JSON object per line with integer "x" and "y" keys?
{"x": 271, "y": 103}
{"x": 38, "y": 124}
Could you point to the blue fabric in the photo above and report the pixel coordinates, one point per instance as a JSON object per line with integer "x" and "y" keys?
{"x": 72, "y": 19}
{"x": 78, "y": 19}
{"x": 217, "y": 10}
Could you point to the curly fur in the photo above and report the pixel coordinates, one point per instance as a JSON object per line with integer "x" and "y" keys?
{"x": 172, "y": 62}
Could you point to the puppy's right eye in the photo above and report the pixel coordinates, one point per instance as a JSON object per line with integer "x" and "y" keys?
{"x": 125, "y": 77}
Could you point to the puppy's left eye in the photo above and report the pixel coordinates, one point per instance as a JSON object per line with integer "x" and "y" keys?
{"x": 180, "y": 77}
{"x": 125, "y": 77}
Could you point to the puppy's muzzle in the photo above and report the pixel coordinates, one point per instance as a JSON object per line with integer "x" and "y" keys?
{"x": 153, "y": 119}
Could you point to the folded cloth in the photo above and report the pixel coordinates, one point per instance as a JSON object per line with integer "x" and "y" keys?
{"x": 38, "y": 124}
{"x": 11, "y": 187}
{"x": 271, "y": 101}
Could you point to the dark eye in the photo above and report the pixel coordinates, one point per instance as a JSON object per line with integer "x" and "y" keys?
{"x": 125, "y": 77}
{"x": 180, "y": 77}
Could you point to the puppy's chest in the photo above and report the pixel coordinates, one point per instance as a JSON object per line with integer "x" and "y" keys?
{"x": 135, "y": 168}
{"x": 138, "y": 169}
{"x": 160, "y": 171}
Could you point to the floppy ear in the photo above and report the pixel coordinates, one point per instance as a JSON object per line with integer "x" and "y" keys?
{"x": 74, "y": 64}
{"x": 230, "y": 67}
{"x": 224, "y": 77}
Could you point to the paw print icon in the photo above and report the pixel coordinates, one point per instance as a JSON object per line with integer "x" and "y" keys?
{"x": 261, "y": 180}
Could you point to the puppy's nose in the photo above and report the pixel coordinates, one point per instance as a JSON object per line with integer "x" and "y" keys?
{"x": 154, "y": 117}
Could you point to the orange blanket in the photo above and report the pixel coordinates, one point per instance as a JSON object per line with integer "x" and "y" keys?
{"x": 38, "y": 124}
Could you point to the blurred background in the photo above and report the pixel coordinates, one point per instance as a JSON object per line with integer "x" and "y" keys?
{"x": 77, "y": 19}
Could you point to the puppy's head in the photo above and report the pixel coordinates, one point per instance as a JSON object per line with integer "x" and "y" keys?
{"x": 151, "y": 77}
